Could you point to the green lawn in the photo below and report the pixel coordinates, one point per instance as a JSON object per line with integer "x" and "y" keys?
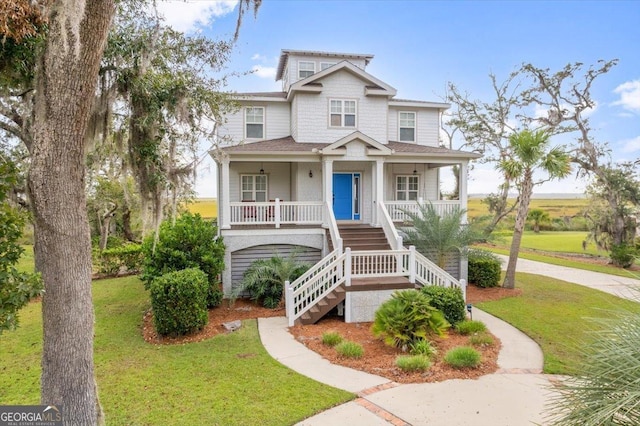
{"x": 555, "y": 207}
{"x": 557, "y": 314}
{"x": 551, "y": 241}
{"x": 227, "y": 380}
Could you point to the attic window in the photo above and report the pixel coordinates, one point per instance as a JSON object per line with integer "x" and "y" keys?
{"x": 306, "y": 69}
{"x": 325, "y": 65}
{"x": 407, "y": 121}
{"x": 342, "y": 113}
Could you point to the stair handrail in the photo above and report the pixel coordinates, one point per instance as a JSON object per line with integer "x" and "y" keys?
{"x": 333, "y": 228}
{"x": 314, "y": 285}
{"x": 390, "y": 231}
{"x": 428, "y": 273}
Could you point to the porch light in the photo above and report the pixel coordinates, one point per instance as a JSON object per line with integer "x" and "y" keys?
{"x": 261, "y": 169}
{"x": 415, "y": 169}
{"x": 310, "y": 173}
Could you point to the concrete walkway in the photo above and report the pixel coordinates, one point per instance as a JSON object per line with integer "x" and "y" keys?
{"x": 515, "y": 395}
{"x": 612, "y": 284}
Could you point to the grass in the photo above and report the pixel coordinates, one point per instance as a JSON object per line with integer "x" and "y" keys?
{"x": 555, "y": 207}
{"x": 331, "y": 338}
{"x": 482, "y": 339}
{"x": 212, "y": 382}
{"x": 26, "y": 263}
{"x": 556, "y": 315}
{"x": 555, "y": 241}
{"x": 207, "y": 207}
{"x": 349, "y": 349}
{"x": 463, "y": 357}
{"x": 467, "y": 327}
{"x": 413, "y": 362}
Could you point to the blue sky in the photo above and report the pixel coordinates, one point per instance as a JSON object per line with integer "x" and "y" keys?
{"x": 420, "y": 45}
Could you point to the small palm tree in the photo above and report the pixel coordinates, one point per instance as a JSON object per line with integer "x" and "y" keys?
{"x": 529, "y": 153}
{"x": 265, "y": 278}
{"x": 437, "y": 236}
{"x": 537, "y": 216}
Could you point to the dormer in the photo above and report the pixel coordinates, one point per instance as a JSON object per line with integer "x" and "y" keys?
{"x": 295, "y": 65}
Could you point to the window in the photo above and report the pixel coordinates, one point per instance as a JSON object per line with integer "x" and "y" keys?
{"x": 305, "y": 69}
{"x": 254, "y": 188}
{"x": 407, "y": 188}
{"x": 407, "y": 126}
{"x": 343, "y": 113}
{"x": 325, "y": 65}
{"x": 254, "y": 120}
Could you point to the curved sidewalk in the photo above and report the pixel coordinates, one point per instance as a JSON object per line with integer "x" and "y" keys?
{"x": 515, "y": 395}
{"x": 612, "y": 284}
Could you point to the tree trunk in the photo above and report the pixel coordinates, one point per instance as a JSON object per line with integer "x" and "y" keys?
{"x": 501, "y": 210}
{"x": 521, "y": 217}
{"x": 65, "y": 86}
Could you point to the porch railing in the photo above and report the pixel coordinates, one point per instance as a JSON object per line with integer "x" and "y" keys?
{"x": 277, "y": 213}
{"x": 333, "y": 227}
{"x": 390, "y": 231}
{"x": 397, "y": 209}
{"x": 340, "y": 268}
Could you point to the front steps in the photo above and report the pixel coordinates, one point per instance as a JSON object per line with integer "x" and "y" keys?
{"x": 323, "y": 306}
{"x": 363, "y": 237}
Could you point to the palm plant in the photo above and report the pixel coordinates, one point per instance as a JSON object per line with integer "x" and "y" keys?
{"x": 537, "y": 216}
{"x": 437, "y": 236}
{"x": 265, "y": 278}
{"x": 607, "y": 391}
{"x": 529, "y": 153}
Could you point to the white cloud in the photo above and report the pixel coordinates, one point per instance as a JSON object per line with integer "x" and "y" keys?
{"x": 187, "y": 16}
{"x": 264, "y": 72}
{"x": 629, "y": 95}
{"x": 259, "y": 57}
{"x": 630, "y": 145}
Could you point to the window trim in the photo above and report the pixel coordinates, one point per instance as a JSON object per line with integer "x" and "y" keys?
{"x": 329, "y": 64}
{"x": 306, "y": 62}
{"x": 254, "y": 191}
{"x": 264, "y": 122}
{"x": 342, "y": 114}
{"x": 415, "y": 125}
{"x": 406, "y": 191}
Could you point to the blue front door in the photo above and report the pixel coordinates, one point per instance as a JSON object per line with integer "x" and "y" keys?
{"x": 346, "y": 197}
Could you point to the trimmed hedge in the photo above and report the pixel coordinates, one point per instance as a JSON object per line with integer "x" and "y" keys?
{"x": 447, "y": 300}
{"x": 113, "y": 260}
{"x": 484, "y": 268}
{"x": 179, "y": 301}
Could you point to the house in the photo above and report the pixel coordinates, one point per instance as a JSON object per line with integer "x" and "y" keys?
{"x": 326, "y": 168}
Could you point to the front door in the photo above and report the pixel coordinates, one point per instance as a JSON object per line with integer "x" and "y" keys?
{"x": 346, "y": 196}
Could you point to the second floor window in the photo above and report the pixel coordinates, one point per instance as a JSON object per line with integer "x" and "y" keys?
{"x": 343, "y": 113}
{"x": 254, "y": 121}
{"x": 407, "y": 188}
{"x": 325, "y": 65}
{"x": 305, "y": 69}
{"x": 254, "y": 188}
{"x": 407, "y": 126}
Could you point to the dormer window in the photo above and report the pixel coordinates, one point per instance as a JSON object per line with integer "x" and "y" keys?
{"x": 407, "y": 122}
{"x": 342, "y": 113}
{"x": 254, "y": 122}
{"x": 306, "y": 69}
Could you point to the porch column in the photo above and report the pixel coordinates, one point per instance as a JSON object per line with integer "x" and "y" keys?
{"x": 224, "y": 199}
{"x": 378, "y": 190}
{"x": 327, "y": 185}
{"x": 462, "y": 190}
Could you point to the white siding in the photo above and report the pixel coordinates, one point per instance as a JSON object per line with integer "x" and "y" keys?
{"x": 428, "y": 188}
{"x": 277, "y": 122}
{"x": 426, "y": 125}
{"x": 278, "y": 179}
{"x": 308, "y": 188}
{"x": 294, "y": 118}
{"x": 292, "y": 64}
{"x": 311, "y": 113}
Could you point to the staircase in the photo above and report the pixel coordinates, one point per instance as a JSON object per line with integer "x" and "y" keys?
{"x": 363, "y": 237}
{"x": 323, "y": 306}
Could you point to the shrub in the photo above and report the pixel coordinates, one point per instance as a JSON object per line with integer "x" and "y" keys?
{"x": 481, "y": 340}
{"x": 623, "y": 255}
{"x": 447, "y": 300}
{"x": 331, "y": 338}
{"x": 192, "y": 242}
{"x": 484, "y": 268}
{"x": 413, "y": 362}
{"x": 422, "y": 347}
{"x": 112, "y": 260}
{"x": 463, "y": 357}
{"x": 470, "y": 327}
{"x": 349, "y": 349}
{"x": 407, "y": 317}
{"x": 265, "y": 278}
{"x": 179, "y": 301}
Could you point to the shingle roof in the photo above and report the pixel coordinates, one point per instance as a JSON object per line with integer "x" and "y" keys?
{"x": 263, "y": 94}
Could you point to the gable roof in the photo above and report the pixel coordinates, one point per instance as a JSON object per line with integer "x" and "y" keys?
{"x": 374, "y": 87}
{"x": 357, "y": 135}
{"x": 284, "y": 57}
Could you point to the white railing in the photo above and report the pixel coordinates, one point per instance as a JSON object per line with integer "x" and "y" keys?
{"x": 277, "y": 213}
{"x": 333, "y": 227}
{"x": 395, "y": 240}
{"x": 397, "y": 209}
{"x": 340, "y": 268}
{"x": 314, "y": 285}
